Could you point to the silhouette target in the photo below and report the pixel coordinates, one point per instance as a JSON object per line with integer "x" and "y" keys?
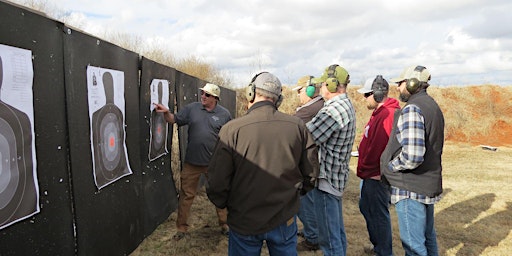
{"x": 108, "y": 136}
{"x": 158, "y": 129}
{"x": 17, "y": 188}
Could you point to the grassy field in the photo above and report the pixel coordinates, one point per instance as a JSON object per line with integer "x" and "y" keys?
{"x": 474, "y": 217}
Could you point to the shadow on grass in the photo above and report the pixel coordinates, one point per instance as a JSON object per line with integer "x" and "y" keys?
{"x": 462, "y": 228}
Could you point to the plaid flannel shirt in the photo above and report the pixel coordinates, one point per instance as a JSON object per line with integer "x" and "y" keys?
{"x": 333, "y": 130}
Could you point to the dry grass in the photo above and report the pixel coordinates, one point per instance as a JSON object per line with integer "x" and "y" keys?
{"x": 474, "y": 217}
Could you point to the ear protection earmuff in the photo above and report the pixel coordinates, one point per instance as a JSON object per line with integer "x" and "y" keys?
{"x": 332, "y": 82}
{"x": 413, "y": 84}
{"x": 379, "y": 88}
{"x": 250, "y": 91}
{"x": 279, "y": 101}
{"x": 310, "y": 89}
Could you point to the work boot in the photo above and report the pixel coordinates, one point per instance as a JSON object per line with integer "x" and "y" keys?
{"x": 369, "y": 249}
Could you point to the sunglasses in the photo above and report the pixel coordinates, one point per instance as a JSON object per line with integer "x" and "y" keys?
{"x": 206, "y": 94}
{"x": 368, "y": 94}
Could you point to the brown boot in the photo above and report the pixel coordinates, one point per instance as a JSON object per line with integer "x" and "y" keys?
{"x": 368, "y": 249}
{"x": 224, "y": 230}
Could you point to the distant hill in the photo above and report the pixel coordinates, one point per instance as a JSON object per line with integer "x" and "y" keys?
{"x": 473, "y": 114}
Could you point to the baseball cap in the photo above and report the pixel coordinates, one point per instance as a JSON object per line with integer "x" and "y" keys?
{"x": 211, "y": 89}
{"x": 367, "y": 87}
{"x": 377, "y": 83}
{"x": 303, "y": 82}
{"x": 268, "y": 82}
{"x": 419, "y": 72}
{"x": 337, "y": 71}
{"x": 317, "y": 80}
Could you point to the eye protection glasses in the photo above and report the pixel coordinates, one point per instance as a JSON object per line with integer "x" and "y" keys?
{"x": 206, "y": 94}
{"x": 368, "y": 94}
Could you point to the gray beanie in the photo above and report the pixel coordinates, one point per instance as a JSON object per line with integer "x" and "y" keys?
{"x": 268, "y": 82}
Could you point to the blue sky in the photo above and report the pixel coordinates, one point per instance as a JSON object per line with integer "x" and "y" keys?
{"x": 461, "y": 42}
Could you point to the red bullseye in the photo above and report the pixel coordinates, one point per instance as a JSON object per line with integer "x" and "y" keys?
{"x": 112, "y": 141}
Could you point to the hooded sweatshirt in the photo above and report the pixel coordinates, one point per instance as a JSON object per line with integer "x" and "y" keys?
{"x": 375, "y": 139}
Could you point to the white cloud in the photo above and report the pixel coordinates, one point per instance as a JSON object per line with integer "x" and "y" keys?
{"x": 460, "y": 41}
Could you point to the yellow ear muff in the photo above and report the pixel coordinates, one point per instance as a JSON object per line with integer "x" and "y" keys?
{"x": 332, "y": 84}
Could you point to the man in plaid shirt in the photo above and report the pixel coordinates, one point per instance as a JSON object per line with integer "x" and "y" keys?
{"x": 411, "y": 162}
{"x": 333, "y": 130}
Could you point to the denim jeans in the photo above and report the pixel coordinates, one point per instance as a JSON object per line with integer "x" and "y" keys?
{"x": 374, "y": 205}
{"x": 307, "y": 217}
{"x": 331, "y": 230}
{"x": 281, "y": 240}
{"x": 416, "y": 224}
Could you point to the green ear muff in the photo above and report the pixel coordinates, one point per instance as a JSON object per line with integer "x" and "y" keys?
{"x": 310, "y": 90}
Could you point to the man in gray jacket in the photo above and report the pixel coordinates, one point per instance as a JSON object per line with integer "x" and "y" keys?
{"x": 263, "y": 161}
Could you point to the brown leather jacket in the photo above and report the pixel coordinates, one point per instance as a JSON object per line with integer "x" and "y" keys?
{"x": 259, "y": 165}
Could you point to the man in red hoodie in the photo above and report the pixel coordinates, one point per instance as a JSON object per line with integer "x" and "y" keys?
{"x": 375, "y": 197}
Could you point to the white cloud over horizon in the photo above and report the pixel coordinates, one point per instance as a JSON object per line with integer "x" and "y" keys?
{"x": 461, "y": 42}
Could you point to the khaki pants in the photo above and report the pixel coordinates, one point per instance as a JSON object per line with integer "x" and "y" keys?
{"x": 189, "y": 181}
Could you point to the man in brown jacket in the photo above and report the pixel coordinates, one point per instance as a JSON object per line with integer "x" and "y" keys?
{"x": 263, "y": 161}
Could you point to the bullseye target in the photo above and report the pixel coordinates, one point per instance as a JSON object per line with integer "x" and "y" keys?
{"x": 158, "y": 129}
{"x": 10, "y": 182}
{"x": 110, "y": 157}
{"x": 107, "y": 126}
{"x": 17, "y": 193}
{"x": 110, "y": 142}
{"x": 158, "y": 133}
{"x": 18, "y": 188}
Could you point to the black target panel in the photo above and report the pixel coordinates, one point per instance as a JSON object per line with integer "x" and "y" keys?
{"x": 107, "y": 221}
{"x": 160, "y": 194}
{"x": 187, "y": 88}
{"x": 228, "y": 100}
{"x": 50, "y": 232}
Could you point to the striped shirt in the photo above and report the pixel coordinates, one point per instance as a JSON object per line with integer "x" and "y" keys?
{"x": 333, "y": 130}
{"x": 411, "y": 135}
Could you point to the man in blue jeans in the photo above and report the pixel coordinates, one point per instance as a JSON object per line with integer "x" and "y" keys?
{"x": 311, "y": 102}
{"x": 375, "y": 197}
{"x": 411, "y": 162}
{"x": 261, "y": 165}
{"x": 333, "y": 130}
